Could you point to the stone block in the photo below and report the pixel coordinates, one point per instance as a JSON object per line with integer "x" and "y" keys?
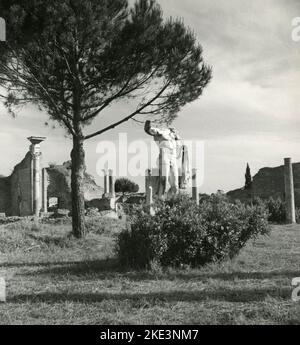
{"x": 60, "y": 213}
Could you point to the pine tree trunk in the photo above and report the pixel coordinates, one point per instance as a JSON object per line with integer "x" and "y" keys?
{"x": 77, "y": 178}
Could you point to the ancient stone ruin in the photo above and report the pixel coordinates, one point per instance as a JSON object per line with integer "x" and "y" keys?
{"x": 269, "y": 182}
{"x": 33, "y": 189}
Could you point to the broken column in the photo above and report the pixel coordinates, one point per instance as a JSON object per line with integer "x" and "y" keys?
{"x": 109, "y": 189}
{"x": 111, "y": 183}
{"x": 289, "y": 191}
{"x": 106, "y": 183}
{"x": 35, "y": 150}
{"x": 112, "y": 194}
{"x": 162, "y": 176}
{"x": 195, "y": 193}
{"x": 149, "y": 200}
{"x": 147, "y": 179}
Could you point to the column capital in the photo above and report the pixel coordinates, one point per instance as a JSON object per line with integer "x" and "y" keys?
{"x": 36, "y": 140}
{"x": 35, "y": 145}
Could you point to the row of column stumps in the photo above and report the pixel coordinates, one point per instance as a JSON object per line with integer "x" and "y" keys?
{"x": 39, "y": 202}
{"x": 289, "y": 191}
{"x": 149, "y": 189}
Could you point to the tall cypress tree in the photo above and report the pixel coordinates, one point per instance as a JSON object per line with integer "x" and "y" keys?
{"x": 248, "y": 178}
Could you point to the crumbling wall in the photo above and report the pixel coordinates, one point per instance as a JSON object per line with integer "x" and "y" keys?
{"x": 15, "y": 190}
{"x": 5, "y": 199}
{"x": 60, "y": 185}
{"x": 21, "y": 188}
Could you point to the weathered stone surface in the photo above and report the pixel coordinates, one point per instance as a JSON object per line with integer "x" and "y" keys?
{"x": 16, "y": 197}
{"x": 111, "y": 214}
{"x": 18, "y": 200}
{"x": 60, "y": 185}
{"x": 61, "y": 213}
{"x": 103, "y": 204}
{"x": 269, "y": 182}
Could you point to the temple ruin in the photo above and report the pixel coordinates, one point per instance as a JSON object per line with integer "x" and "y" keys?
{"x": 33, "y": 189}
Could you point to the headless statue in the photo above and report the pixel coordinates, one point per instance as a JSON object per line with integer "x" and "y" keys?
{"x": 169, "y": 143}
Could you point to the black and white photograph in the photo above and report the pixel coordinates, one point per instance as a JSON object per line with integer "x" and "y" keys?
{"x": 149, "y": 165}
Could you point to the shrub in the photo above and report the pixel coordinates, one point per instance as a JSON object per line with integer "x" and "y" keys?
{"x": 298, "y": 215}
{"x": 276, "y": 208}
{"x": 183, "y": 233}
{"x": 124, "y": 185}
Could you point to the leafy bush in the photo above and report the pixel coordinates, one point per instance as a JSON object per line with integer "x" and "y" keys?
{"x": 124, "y": 185}
{"x": 298, "y": 215}
{"x": 276, "y": 208}
{"x": 183, "y": 233}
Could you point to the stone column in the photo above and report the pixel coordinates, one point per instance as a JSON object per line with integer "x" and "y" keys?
{"x": 45, "y": 190}
{"x": 112, "y": 194}
{"x": 149, "y": 200}
{"x": 35, "y": 150}
{"x": 162, "y": 179}
{"x": 112, "y": 183}
{"x": 147, "y": 179}
{"x": 195, "y": 193}
{"x": 106, "y": 183}
{"x": 289, "y": 191}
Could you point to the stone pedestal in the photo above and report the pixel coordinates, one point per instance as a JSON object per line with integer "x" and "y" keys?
{"x": 289, "y": 191}
{"x": 35, "y": 150}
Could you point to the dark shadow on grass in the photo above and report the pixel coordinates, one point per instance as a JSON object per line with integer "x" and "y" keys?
{"x": 66, "y": 266}
{"x": 145, "y": 300}
{"x": 105, "y": 269}
{"x": 240, "y": 275}
{"x": 109, "y": 269}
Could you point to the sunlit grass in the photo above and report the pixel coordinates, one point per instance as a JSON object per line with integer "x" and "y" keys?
{"x": 53, "y": 278}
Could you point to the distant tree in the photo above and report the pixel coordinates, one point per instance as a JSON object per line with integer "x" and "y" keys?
{"x": 248, "y": 178}
{"x": 124, "y": 185}
{"x": 75, "y": 58}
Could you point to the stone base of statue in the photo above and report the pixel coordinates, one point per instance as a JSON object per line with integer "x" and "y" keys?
{"x": 108, "y": 202}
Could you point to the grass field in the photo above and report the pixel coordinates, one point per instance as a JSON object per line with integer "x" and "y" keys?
{"x": 55, "y": 279}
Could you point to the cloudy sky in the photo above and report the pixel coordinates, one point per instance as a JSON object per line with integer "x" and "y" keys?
{"x": 248, "y": 113}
